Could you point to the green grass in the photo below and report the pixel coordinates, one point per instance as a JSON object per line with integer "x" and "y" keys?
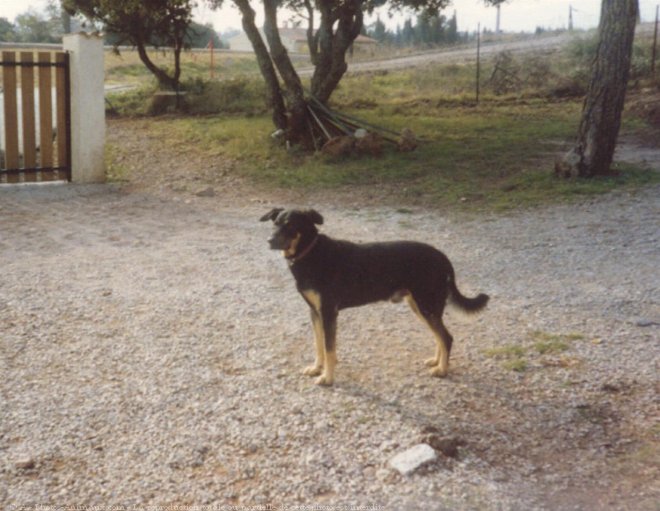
{"x": 514, "y": 357}
{"x": 495, "y": 157}
{"x": 518, "y": 365}
{"x": 506, "y": 352}
{"x": 115, "y": 171}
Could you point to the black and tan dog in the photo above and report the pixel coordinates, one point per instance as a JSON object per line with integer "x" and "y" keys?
{"x": 332, "y": 275}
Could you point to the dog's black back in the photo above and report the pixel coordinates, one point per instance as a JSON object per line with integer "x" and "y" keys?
{"x": 350, "y": 274}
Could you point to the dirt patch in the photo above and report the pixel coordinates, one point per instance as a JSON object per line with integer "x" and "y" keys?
{"x": 151, "y": 350}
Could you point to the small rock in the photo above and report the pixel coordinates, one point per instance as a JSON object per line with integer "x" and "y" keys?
{"x": 206, "y": 192}
{"x": 644, "y": 322}
{"x": 610, "y": 387}
{"x": 407, "y": 462}
{"x": 25, "y": 464}
{"x": 446, "y": 445}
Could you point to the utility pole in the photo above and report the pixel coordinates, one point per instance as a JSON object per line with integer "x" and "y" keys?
{"x": 497, "y": 20}
{"x": 655, "y": 40}
{"x": 570, "y": 18}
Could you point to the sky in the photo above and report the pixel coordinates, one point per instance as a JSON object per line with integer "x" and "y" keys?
{"x": 516, "y": 15}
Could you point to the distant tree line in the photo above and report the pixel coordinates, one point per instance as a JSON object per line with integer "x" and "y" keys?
{"x": 49, "y": 26}
{"x": 427, "y": 30}
{"x": 34, "y": 27}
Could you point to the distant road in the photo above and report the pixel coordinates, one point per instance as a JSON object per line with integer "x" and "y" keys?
{"x": 469, "y": 54}
{"x": 460, "y": 54}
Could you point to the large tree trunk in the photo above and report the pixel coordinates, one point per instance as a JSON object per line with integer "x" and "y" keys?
{"x": 165, "y": 81}
{"x": 329, "y": 48}
{"x": 603, "y": 105}
{"x": 298, "y": 132}
{"x": 273, "y": 90}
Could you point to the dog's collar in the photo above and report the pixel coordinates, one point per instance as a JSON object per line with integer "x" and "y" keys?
{"x": 297, "y": 257}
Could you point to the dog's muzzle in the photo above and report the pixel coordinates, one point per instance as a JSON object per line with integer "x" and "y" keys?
{"x": 276, "y": 242}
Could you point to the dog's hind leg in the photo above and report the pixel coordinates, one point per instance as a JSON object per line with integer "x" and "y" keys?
{"x": 443, "y": 339}
{"x": 440, "y": 362}
{"x": 317, "y": 368}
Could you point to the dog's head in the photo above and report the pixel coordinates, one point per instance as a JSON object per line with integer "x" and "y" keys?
{"x": 294, "y": 228}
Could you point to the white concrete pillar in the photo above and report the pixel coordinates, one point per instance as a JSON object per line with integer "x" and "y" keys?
{"x": 87, "y": 107}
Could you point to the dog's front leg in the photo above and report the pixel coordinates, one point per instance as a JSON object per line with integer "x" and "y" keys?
{"x": 317, "y": 368}
{"x": 329, "y": 324}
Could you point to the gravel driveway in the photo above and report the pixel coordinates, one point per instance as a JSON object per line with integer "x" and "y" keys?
{"x": 151, "y": 350}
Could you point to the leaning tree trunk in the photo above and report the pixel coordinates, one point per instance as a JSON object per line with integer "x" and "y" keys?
{"x": 165, "y": 81}
{"x": 298, "y": 130}
{"x": 603, "y": 105}
{"x": 273, "y": 90}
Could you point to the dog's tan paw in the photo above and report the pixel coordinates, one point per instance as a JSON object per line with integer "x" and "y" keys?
{"x": 431, "y": 362}
{"x": 312, "y": 370}
{"x": 438, "y": 372}
{"x": 324, "y": 380}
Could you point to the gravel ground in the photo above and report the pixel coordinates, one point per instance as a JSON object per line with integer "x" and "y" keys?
{"x": 151, "y": 350}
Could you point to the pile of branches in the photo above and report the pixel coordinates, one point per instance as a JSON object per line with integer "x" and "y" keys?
{"x": 337, "y": 134}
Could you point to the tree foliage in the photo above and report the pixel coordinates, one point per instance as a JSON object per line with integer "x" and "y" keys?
{"x": 7, "y": 31}
{"x": 33, "y": 26}
{"x": 142, "y": 23}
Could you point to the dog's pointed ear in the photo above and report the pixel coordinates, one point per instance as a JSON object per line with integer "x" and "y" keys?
{"x": 271, "y": 215}
{"x": 315, "y": 216}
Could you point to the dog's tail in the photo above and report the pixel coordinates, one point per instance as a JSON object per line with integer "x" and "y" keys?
{"x": 467, "y": 304}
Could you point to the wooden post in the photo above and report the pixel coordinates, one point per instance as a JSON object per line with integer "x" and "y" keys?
{"x": 478, "y": 59}
{"x": 45, "y": 115}
{"x": 62, "y": 114}
{"x": 27, "y": 103}
{"x": 11, "y": 115}
{"x": 211, "y": 47}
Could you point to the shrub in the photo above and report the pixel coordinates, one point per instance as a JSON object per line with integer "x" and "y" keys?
{"x": 236, "y": 95}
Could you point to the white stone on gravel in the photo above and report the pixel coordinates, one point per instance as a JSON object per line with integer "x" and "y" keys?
{"x": 408, "y": 461}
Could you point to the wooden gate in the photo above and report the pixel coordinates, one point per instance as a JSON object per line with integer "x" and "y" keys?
{"x": 35, "y": 127}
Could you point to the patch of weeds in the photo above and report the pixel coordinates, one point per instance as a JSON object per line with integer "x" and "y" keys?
{"x": 553, "y": 343}
{"x": 115, "y": 170}
{"x": 513, "y": 356}
{"x": 510, "y": 351}
{"x": 132, "y": 102}
{"x": 547, "y": 347}
{"x": 518, "y": 365}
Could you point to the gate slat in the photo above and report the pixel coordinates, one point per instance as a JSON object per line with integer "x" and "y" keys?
{"x": 46, "y": 115}
{"x": 11, "y": 115}
{"x": 63, "y": 156}
{"x": 29, "y": 128}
